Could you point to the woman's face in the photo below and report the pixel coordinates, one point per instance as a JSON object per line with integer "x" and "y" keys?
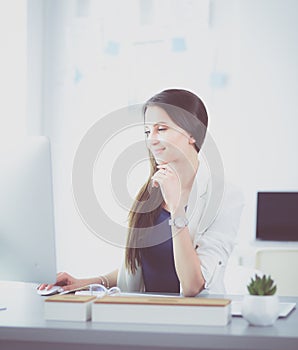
{"x": 165, "y": 139}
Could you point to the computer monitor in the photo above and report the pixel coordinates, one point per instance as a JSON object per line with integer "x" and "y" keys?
{"x": 27, "y": 235}
{"x": 277, "y": 216}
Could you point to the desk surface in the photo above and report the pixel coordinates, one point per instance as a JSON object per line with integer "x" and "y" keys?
{"x": 22, "y": 326}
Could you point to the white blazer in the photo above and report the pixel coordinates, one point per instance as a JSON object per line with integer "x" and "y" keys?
{"x": 214, "y": 210}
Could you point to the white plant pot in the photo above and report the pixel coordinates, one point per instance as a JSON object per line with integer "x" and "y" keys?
{"x": 260, "y": 310}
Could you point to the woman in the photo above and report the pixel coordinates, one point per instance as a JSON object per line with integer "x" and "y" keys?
{"x": 178, "y": 239}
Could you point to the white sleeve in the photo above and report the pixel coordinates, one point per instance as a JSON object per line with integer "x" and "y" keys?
{"x": 128, "y": 282}
{"x": 216, "y": 243}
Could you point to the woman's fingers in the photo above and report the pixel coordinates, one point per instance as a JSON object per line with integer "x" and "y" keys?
{"x": 42, "y": 286}
{"x": 157, "y": 178}
{"x": 165, "y": 168}
{"x": 163, "y": 171}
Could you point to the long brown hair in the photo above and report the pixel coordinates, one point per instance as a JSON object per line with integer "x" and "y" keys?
{"x": 188, "y": 111}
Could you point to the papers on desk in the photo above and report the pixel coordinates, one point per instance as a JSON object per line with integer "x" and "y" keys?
{"x": 284, "y": 308}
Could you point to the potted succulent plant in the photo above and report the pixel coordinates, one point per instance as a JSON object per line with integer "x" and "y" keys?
{"x": 261, "y": 306}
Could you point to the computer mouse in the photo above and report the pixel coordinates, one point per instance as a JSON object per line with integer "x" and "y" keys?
{"x": 51, "y": 291}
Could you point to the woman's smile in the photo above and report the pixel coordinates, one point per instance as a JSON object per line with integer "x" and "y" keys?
{"x": 158, "y": 151}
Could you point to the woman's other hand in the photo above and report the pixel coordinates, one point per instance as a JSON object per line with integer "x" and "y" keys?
{"x": 167, "y": 179}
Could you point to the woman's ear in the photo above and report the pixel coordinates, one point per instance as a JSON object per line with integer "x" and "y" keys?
{"x": 192, "y": 140}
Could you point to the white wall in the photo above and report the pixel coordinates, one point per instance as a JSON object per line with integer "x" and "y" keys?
{"x": 256, "y": 115}
{"x": 35, "y": 66}
{"x": 242, "y": 60}
{"x": 13, "y": 69}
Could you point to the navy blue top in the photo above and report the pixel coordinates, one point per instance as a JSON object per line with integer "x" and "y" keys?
{"x": 157, "y": 261}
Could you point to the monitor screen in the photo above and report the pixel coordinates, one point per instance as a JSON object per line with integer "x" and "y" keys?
{"x": 277, "y": 216}
{"x": 27, "y": 235}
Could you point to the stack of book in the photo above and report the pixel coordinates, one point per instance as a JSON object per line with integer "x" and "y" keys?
{"x": 68, "y": 307}
{"x": 141, "y": 308}
{"x": 162, "y": 310}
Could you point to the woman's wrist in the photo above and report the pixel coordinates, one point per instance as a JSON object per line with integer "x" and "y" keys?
{"x": 104, "y": 281}
{"x": 177, "y": 212}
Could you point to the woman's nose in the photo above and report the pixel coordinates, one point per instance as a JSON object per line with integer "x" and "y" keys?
{"x": 153, "y": 138}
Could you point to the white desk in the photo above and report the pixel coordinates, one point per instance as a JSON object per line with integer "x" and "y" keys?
{"x": 22, "y": 326}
